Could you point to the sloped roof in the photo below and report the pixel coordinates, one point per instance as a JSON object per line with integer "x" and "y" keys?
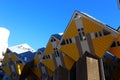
{"x": 26, "y": 56}
{"x": 41, "y": 49}
{"x": 58, "y": 36}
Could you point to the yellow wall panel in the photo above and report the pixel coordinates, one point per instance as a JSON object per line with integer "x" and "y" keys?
{"x": 37, "y": 72}
{"x": 90, "y": 26}
{"x": 71, "y": 50}
{"x": 68, "y": 62}
{"x": 49, "y": 63}
{"x": 36, "y": 59}
{"x": 6, "y": 58}
{"x": 49, "y": 49}
{"x": 115, "y": 51}
{"x": 14, "y": 57}
{"x": 7, "y": 70}
{"x": 101, "y": 45}
{"x": 118, "y": 38}
{"x": 50, "y": 73}
{"x": 57, "y": 42}
{"x": 71, "y": 30}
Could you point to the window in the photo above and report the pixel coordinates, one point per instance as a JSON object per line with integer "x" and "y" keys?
{"x": 84, "y": 38}
{"x": 57, "y": 54}
{"x": 70, "y": 40}
{"x": 55, "y": 48}
{"x": 48, "y": 56}
{"x": 82, "y": 29}
{"x": 39, "y": 53}
{"x": 82, "y": 34}
{"x": 67, "y": 41}
{"x": 51, "y": 40}
{"x": 118, "y": 43}
{"x": 113, "y": 44}
{"x": 105, "y": 32}
{"x": 96, "y": 35}
{"x": 63, "y": 42}
{"x": 100, "y": 34}
{"x": 78, "y": 30}
{"x": 76, "y": 15}
{"x": 43, "y": 57}
{"x": 54, "y": 40}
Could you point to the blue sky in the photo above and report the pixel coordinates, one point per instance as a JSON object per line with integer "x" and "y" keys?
{"x": 33, "y": 21}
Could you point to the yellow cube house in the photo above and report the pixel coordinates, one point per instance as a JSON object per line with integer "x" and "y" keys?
{"x": 115, "y": 47}
{"x": 12, "y": 65}
{"x": 86, "y": 34}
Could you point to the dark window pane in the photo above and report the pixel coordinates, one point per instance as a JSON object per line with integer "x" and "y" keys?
{"x": 118, "y": 43}
{"x": 19, "y": 61}
{"x": 51, "y": 40}
{"x": 96, "y": 35}
{"x": 113, "y": 44}
{"x": 84, "y": 37}
{"x": 78, "y": 30}
{"x": 39, "y": 52}
{"x": 82, "y": 29}
{"x": 70, "y": 40}
{"x": 80, "y": 36}
{"x": 100, "y": 33}
{"x": 105, "y": 32}
{"x": 63, "y": 42}
{"x": 76, "y": 15}
{"x": 54, "y": 40}
{"x": 43, "y": 57}
{"x": 67, "y": 41}
{"x": 57, "y": 53}
{"x": 54, "y": 48}
{"x": 48, "y": 56}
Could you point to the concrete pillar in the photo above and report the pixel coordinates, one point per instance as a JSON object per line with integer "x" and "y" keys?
{"x": 102, "y": 70}
{"x": 89, "y": 67}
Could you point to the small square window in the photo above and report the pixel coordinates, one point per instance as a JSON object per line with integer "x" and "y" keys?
{"x": 70, "y": 40}
{"x": 105, "y": 32}
{"x": 63, "y": 42}
{"x": 67, "y": 41}
{"x": 80, "y": 36}
{"x": 51, "y": 40}
{"x": 100, "y": 33}
{"x": 113, "y": 44}
{"x": 96, "y": 35}
{"x": 82, "y": 29}
{"x": 43, "y": 57}
{"x": 78, "y": 29}
{"x": 48, "y": 56}
{"x": 118, "y": 43}
{"x": 54, "y": 39}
